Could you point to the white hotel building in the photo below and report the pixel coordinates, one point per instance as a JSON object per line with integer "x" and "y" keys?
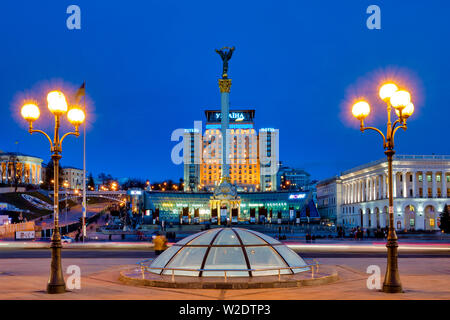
{"x": 421, "y": 191}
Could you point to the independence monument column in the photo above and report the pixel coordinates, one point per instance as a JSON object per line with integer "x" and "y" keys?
{"x": 225, "y": 86}
{"x": 225, "y": 200}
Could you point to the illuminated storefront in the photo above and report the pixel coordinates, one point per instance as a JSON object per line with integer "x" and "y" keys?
{"x": 254, "y": 207}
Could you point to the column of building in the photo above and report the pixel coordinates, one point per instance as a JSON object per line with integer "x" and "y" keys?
{"x": 394, "y": 183}
{"x": 404, "y": 192}
{"x": 424, "y": 185}
{"x": 414, "y": 181}
{"x": 434, "y": 185}
{"x": 444, "y": 184}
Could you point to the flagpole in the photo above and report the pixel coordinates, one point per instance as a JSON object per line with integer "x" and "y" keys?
{"x": 84, "y": 209}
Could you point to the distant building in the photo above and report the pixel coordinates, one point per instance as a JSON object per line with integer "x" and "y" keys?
{"x": 192, "y": 140}
{"x": 328, "y": 201}
{"x": 73, "y": 176}
{"x": 25, "y": 168}
{"x": 359, "y": 196}
{"x": 293, "y": 179}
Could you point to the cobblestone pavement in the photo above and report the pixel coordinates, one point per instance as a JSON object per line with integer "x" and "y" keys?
{"x": 425, "y": 278}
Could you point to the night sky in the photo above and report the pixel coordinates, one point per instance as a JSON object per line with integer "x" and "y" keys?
{"x": 150, "y": 68}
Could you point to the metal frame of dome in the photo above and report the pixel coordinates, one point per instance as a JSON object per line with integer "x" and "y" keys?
{"x": 211, "y": 240}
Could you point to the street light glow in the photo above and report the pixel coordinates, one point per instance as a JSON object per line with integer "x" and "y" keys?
{"x": 361, "y": 110}
{"x": 400, "y": 99}
{"x": 57, "y": 103}
{"x": 76, "y": 116}
{"x": 407, "y": 111}
{"x": 387, "y": 90}
{"x": 30, "y": 112}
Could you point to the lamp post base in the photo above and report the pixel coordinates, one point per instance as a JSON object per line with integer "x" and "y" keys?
{"x": 56, "y": 288}
{"x": 392, "y": 283}
{"x": 392, "y": 289}
{"x": 56, "y": 282}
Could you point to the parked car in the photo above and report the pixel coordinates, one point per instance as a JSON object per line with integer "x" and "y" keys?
{"x": 66, "y": 239}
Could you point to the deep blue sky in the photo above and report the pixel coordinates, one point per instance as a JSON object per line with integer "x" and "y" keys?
{"x": 150, "y": 68}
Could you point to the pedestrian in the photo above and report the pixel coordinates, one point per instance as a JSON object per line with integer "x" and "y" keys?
{"x": 160, "y": 244}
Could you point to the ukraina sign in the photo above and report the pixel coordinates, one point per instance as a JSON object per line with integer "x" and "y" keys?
{"x": 215, "y": 116}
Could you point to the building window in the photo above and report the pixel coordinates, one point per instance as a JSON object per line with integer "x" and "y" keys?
{"x": 420, "y": 178}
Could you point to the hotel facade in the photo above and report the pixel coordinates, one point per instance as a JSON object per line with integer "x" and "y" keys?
{"x": 253, "y": 157}
{"x": 359, "y": 197}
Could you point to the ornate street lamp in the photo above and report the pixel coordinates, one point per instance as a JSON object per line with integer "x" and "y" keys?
{"x": 400, "y": 100}
{"x": 57, "y": 104}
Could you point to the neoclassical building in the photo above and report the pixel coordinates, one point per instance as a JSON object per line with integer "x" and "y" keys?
{"x": 73, "y": 176}
{"x": 421, "y": 190}
{"x": 14, "y": 165}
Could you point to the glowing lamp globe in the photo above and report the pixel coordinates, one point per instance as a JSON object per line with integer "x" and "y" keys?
{"x": 387, "y": 90}
{"x": 407, "y": 111}
{"x": 400, "y": 99}
{"x": 76, "y": 116}
{"x": 30, "y": 112}
{"x": 361, "y": 110}
{"x": 57, "y": 103}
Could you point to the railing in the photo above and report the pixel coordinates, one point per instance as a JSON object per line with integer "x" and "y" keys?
{"x": 145, "y": 268}
{"x": 397, "y": 157}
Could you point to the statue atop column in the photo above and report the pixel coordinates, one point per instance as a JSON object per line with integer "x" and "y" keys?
{"x": 225, "y": 53}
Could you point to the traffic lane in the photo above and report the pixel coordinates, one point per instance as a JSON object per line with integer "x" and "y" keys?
{"x": 145, "y": 254}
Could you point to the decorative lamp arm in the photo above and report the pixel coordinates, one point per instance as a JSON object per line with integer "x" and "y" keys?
{"x": 31, "y": 130}
{"x": 375, "y": 129}
{"x": 76, "y": 133}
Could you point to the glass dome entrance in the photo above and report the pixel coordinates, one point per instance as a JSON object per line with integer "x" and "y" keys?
{"x": 240, "y": 252}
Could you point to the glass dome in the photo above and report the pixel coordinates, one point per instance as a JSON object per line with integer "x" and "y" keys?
{"x": 241, "y": 252}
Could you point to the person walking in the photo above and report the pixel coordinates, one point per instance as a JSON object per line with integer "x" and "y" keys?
{"x": 160, "y": 244}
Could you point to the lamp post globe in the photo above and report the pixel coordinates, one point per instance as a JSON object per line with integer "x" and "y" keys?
{"x": 57, "y": 103}
{"x": 400, "y": 99}
{"x": 387, "y": 90}
{"x": 30, "y": 112}
{"x": 76, "y": 116}
{"x": 407, "y": 111}
{"x": 361, "y": 110}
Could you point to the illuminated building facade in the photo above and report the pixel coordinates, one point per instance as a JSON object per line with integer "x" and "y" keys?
{"x": 359, "y": 197}
{"x": 20, "y": 168}
{"x": 293, "y": 179}
{"x": 73, "y": 176}
{"x": 252, "y": 158}
{"x": 255, "y": 207}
